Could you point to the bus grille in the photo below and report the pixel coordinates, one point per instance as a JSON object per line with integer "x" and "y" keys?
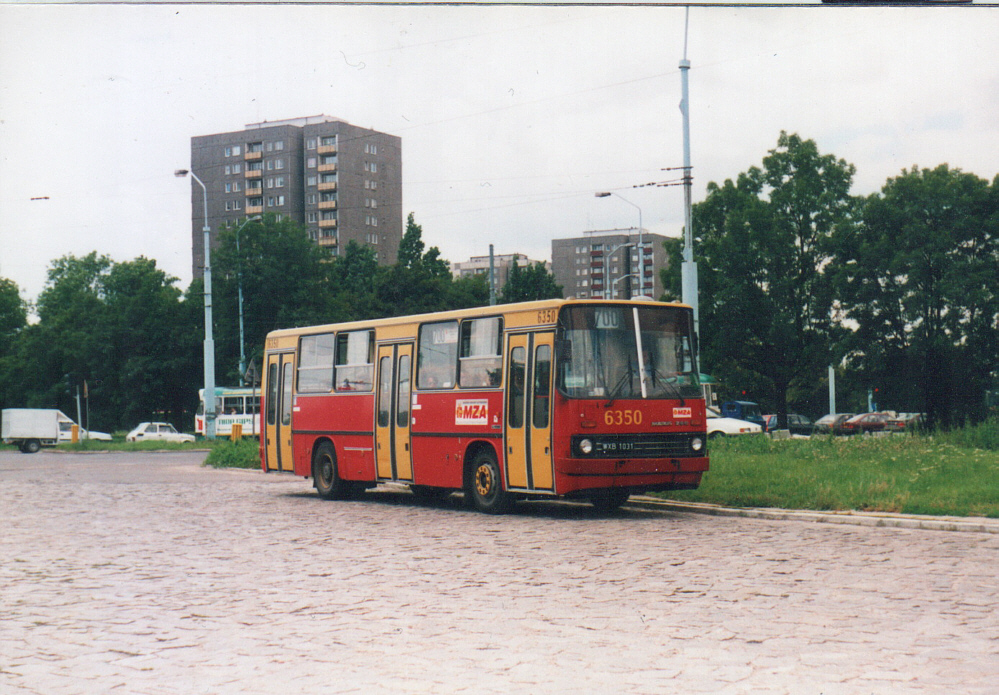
{"x": 640, "y": 446}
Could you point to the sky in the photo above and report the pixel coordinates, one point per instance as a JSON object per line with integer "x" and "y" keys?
{"x": 511, "y": 118}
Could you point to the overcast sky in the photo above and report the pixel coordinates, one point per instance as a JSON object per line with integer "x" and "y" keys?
{"x": 511, "y": 118}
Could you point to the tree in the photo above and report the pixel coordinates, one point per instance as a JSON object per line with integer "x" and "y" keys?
{"x": 761, "y": 246}
{"x": 13, "y": 313}
{"x": 530, "y": 283}
{"x": 286, "y": 283}
{"x": 917, "y": 277}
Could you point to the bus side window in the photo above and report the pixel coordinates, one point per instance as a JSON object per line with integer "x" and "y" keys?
{"x": 438, "y": 355}
{"x": 480, "y": 357}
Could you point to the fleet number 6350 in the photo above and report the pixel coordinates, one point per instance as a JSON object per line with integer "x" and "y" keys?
{"x": 623, "y": 417}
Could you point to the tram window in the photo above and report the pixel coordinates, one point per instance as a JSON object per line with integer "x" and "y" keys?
{"x": 436, "y": 362}
{"x": 232, "y": 405}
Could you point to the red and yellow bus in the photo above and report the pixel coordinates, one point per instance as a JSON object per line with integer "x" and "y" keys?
{"x": 558, "y": 398}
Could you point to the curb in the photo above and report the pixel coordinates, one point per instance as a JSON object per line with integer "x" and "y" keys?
{"x": 850, "y": 518}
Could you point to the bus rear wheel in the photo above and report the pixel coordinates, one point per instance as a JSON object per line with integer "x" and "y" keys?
{"x": 485, "y": 486}
{"x": 327, "y": 479}
{"x": 609, "y": 500}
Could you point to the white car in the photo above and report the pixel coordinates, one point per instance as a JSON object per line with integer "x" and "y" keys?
{"x": 157, "y": 432}
{"x": 719, "y": 426}
{"x": 66, "y": 433}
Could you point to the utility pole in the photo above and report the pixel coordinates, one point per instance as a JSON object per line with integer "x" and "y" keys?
{"x": 688, "y": 269}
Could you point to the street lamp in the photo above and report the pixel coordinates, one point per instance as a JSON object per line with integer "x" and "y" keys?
{"x": 608, "y": 285}
{"x": 641, "y": 245}
{"x": 209, "y": 340}
{"x": 239, "y": 285}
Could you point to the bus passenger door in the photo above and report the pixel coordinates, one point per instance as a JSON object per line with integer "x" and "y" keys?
{"x": 393, "y": 454}
{"x": 277, "y": 419}
{"x": 528, "y": 411}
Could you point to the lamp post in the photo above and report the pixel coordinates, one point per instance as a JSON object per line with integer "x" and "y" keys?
{"x": 641, "y": 244}
{"x": 239, "y": 285}
{"x": 608, "y": 285}
{"x": 209, "y": 340}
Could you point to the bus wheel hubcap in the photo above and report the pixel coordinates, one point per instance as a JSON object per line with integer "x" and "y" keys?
{"x": 484, "y": 480}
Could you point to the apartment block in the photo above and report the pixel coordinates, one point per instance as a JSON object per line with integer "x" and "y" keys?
{"x": 502, "y": 263}
{"x": 605, "y": 264}
{"x": 341, "y": 182}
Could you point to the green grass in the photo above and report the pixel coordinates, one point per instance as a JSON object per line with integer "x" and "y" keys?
{"x": 121, "y": 445}
{"x": 244, "y": 453}
{"x": 945, "y": 474}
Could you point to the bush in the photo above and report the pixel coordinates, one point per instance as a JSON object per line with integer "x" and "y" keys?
{"x": 244, "y": 453}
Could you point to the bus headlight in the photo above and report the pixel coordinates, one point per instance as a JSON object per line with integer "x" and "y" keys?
{"x": 697, "y": 444}
{"x": 585, "y": 446}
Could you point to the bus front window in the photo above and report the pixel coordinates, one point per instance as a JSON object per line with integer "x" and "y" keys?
{"x": 599, "y": 356}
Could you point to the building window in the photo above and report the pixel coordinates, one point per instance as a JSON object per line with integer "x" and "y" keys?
{"x": 270, "y": 147}
{"x": 270, "y": 165}
{"x": 311, "y": 162}
{"x": 228, "y": 206}
{"x": 270, "y": 201}
{"x": 236, "y": 168}
{"x": 228, "y": 188}
{"x": 279, "y": 164}
{"x": 228, "y": 152}
{"x": 270, "y": 182}
{"x": 236, "y": 186}
{"x": 279, "y": 182}
{"x": 311, "y": 199}
{"x": 311, "y": 217}
{"x": 311, "y": 181}
{"x": 236, "y": 150}
{"x": 279, "y": 145}
{"x": 328, "y": 140}
{"x": 236, "y": 205}
{"x": 310, "y": 144}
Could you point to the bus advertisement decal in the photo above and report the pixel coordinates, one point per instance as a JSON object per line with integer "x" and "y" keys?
{"x": 471, "y": 412}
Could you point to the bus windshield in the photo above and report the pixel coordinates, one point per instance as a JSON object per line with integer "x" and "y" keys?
{"x": 601, "y": 355}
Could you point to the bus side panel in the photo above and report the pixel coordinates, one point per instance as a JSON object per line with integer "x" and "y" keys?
{"x": 346, "y": 420}
{"x": 445, "y": 424}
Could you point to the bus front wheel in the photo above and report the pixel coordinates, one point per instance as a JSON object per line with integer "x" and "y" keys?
{"x": 485, "y": 486}
{"x": 328, "y": 483}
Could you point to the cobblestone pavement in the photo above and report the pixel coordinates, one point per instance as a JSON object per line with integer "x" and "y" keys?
{"x": 126, "y": 573}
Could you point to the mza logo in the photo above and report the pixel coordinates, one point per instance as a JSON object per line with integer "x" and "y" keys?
{"x": 471, "y": 412}
{"x": 683, "y": 412}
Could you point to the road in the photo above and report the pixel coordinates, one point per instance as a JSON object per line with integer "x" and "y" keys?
{"x": 147, "y": 573}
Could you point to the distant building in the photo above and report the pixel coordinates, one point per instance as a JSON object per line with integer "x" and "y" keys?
{"x": 604, "y": 264}
{"x": 340, "y": 181}
{"x": 479, "y": 265}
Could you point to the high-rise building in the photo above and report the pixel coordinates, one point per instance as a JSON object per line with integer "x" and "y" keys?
{"x": 479, "y": 265}
{"x": 340, "y": 181}
{"x": 604, "y": 264}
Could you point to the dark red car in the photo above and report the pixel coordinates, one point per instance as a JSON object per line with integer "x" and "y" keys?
{"x": 866, "y": 423}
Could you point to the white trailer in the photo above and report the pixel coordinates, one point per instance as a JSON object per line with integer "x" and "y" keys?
{"x": 30, "y": 428}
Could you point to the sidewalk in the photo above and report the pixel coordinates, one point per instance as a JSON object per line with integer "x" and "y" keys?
{"x": 974, "y": 524}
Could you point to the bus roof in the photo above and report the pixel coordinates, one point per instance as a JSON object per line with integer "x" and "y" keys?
{"x": 463, "y": 313}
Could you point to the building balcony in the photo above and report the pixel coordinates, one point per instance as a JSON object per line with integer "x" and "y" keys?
{"x": 254, "y": 191}
{"x": 326, "y": 224}
{"x": 328, "y": 186}
{"x": 327, "y": 149}
{"x": 327, "y": 241}
{"x": 253, "y": 173}
{"x": 327, "y": 205}
{"x": 251, "y": 156}
{"x": 326, "y": 167}
{"x": 254, "y": 209}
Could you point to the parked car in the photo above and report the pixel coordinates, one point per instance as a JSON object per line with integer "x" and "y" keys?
{"x": 719, "y": 426}
{"x": 157, "y": 432}
{"x": 743, "y": 410}
{"x": 865, "y": 423}
{"x": 832, "y": 423}
{"x": 904, "y": 422}
{"x": 797, "y": 424}
{"x": 66, "y": 433}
